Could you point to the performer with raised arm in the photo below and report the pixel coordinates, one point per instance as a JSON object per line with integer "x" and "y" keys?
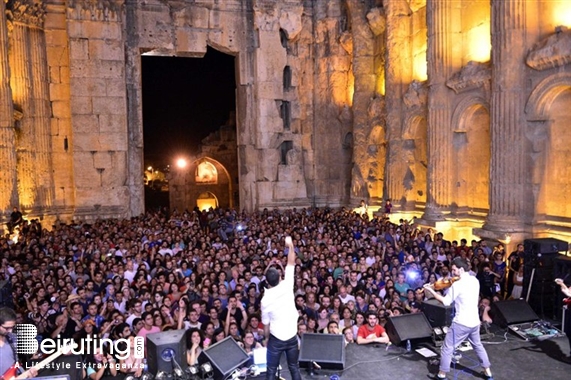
{"x": 279, "y": 316}
{"x": 466, "y": 323}
{"x": 567, "y": 312}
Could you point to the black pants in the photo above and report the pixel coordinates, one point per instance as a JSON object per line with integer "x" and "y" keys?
{"x": 275, "y": 349}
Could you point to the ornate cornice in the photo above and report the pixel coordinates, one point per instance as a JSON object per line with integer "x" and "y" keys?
{"x": 472, "y": 76}
{"x": 554, "y": 51}
{"x": 416, "y": 95}
{"x": 95, "y": 10}
{"x": 28, "y": 12}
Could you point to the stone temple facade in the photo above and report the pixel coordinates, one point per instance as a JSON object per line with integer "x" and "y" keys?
{"x": 457, "y": 111}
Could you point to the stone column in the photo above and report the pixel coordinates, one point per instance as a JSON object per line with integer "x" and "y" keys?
{"x": 29, "y": 84}
{"x": 439, "y": 134}
{"x": 135, "y": 151}
{"x": 21, "y": 83}
{"x": 41, "y": 125}
{"x": 398, "y": 76}
{"x": 508, "y": 169}
{"x": 8, "y": 184}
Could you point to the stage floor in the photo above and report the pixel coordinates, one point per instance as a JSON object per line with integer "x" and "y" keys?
{"x": 511, "y": 358}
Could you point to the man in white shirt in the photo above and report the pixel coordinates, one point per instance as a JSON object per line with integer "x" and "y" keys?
{"x": 466, "y": 323}
{"x": 279, "y": 317}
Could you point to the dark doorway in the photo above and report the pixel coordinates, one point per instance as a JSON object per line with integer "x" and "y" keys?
{"x": 184, "y": 101}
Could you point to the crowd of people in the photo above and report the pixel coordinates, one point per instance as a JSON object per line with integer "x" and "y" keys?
{"x": 204, "y": 271}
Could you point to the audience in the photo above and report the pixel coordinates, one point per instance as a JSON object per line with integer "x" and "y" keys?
{"x": 203, "y": 271}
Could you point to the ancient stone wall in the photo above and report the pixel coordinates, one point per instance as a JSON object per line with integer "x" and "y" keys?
{"x": 457, "y": 111}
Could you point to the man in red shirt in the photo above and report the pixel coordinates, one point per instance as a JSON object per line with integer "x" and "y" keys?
{"x": 372, "y": 332}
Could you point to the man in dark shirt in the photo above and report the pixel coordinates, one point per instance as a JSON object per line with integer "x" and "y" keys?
{"x": 16, "y": 219}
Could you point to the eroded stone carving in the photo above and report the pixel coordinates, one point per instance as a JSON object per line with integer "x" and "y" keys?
{"x": 29, "y": 12}
{"x": 96, "y": 10}
{"x": 346, "y": 41}
{"x": 415, "y": 5}
{"x": 359, "y": 186}
{"x": 417, "y": 94}
{"x": 290, "y": 21}
{"x": 377, "y": 21}
{"x": 265, "y": 18}
{"x": 554, "y": 51}
{"x": 472, "y": 76}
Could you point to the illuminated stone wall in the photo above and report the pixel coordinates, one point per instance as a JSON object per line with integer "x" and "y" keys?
{"x": 454, "y": 110}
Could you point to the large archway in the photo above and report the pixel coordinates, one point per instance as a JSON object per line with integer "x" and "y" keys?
{"x": 186, "y": 100}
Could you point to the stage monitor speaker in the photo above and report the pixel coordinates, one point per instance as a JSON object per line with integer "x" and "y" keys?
{"x": 165, "y": 350}
{"x": 437, "y": 314}
{"x": 506, "y": 313}
{"x": 408, "y": 327}
{"x": 327, "y": 350}
{"x": 224, "y": 357}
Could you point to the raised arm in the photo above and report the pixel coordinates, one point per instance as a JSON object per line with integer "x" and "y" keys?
{"x": 291, "y": 255}
{"x": 564, "y": 287}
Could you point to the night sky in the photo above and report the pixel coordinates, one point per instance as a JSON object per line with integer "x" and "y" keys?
{"x": 184, "y": 100}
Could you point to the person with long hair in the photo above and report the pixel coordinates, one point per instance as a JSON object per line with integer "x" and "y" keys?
{"x": 250, "y": 343}
{"x": 101, "y": 365}
{"x": 208, "y": 332}
{"x": 347, "y": 318}
{"x": 195, "y": 344}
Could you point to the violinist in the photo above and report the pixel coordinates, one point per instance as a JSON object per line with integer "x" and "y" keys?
{"x": 463, "y": 293}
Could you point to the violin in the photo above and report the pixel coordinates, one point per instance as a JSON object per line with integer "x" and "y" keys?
{"x": 443, "y": 283}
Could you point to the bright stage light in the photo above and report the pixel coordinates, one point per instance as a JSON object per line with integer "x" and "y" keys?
{"x": 181, "y": 163}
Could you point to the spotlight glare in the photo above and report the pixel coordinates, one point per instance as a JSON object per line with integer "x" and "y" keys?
{"x": 181, "y": 163}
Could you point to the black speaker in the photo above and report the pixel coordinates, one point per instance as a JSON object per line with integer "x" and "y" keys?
{"x": 224, "y": 357}
{"x": 408, "y": 326}
{"x": 545, "y": 245}
{"x": 165, "y": 350}
{"x": 327, "y": 350}
{"x": 437, "y": 314}
{"x": 505, "y": 313}
{"x": 540, "y": 256}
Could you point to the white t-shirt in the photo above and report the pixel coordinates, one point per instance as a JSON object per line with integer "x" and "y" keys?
{"x": 278, "y": 307}
{"x": 464, "y": 294}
